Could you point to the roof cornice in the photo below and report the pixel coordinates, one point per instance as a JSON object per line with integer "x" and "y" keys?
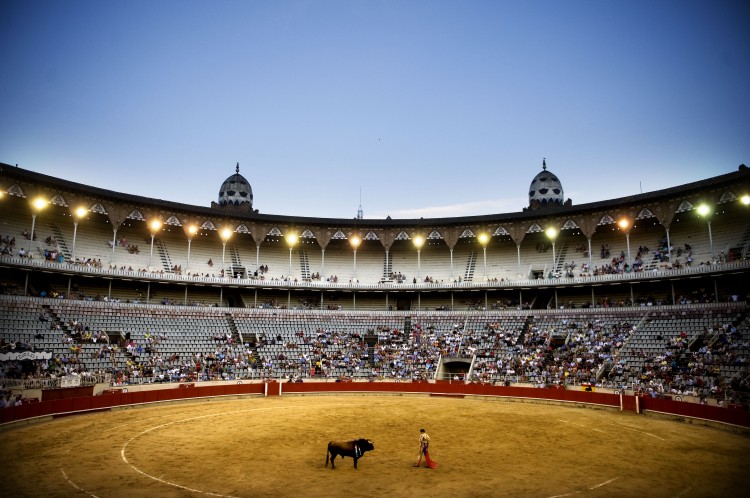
{"x": 10, "y": 174}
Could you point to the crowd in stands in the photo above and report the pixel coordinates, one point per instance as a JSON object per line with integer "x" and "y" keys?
{"x": 398, "y": 277}
{"x": 90, "y": 262}
{"x": 8, "y": 241}
{"x": 557, "y": 353}
{"x": 643, "y": 259}
{"x": 552, "y": 357}
{"x": 681, "y": 370}
{"x": 681, "y": 257}
{"x": 228, "y": 360}
{"x": 7, "y": 399}
{"x": 53, "y": 255}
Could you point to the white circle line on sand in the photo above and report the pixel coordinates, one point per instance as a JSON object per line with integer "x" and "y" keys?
{"x": 591, "y": 488}
{"x": 78, "y": 488}
{"x": 618, "y": 425}
{"x": 582, "y": 426}
{"x": 642, "y": 432}
{"x": 209, "y": 493}
{"x": 597, "y": 485}
{"x": 130, "y": 423}
{"x": 605, "y": 483}
{"x": 179, "y": 486}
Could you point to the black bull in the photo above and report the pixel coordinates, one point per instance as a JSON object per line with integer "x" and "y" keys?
{"x": 355, "y": 449}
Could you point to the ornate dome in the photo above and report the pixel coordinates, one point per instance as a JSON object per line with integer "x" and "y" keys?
{"x": 236, "y": 191}
{"x": 545, "y": 189}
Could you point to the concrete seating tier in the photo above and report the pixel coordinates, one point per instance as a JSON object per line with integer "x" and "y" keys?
{"x": 606, "y": 347}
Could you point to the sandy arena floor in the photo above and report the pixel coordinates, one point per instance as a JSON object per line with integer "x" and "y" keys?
{"x": 276, "y": 447}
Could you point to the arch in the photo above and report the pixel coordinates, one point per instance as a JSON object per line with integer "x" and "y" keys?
{"x": 135, "y": 215}
{"x": 606, "y": 220}
{"x": 569, "y": 225}
{"x": 97, "y": 208}
{"x": 645, "y": 213}
{"x": 16, "y": 190}
{"x": 58, "y": 200}
{"x": 727, "y": 196}
{"x": 685, "y": 206}
{"x": 172, "y": 220}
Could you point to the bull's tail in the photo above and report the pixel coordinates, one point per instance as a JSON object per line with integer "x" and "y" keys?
{"x": 328, "y": 453}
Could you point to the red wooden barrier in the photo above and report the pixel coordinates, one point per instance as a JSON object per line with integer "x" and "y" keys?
{"x": 695, "y": 410}
{"x": 65, "y": 405}
{"x": 67, "y": 392}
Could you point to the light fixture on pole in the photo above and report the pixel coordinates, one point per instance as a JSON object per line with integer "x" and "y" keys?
{"x": 191, "y": 231}
{"x": 552, "y": 233}
{"x": 745, "y": 199}
{"x": 291, "y": 239}
{"x": 484, "y": 239}
{"x": 36, "y": 205}
{"x": 705, "y": 212}
{"x": 78, "y": 215}
{"x": 625, "y": 225}
{"x": 355, "y": 241}
{"x": 154, "y": 225}
{"x": 418, "y": 243}
{"x": 225, "y": 234}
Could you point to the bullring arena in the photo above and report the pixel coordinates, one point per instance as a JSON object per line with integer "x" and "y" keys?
{"x": 275, "y": 446}
{"x": 151, "y": 348}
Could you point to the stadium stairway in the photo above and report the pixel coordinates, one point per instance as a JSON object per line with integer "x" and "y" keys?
{"x": 471, "y": 264}
{"x": 304, "y": 264}
{"x": 237, "y": 268}
{"x": 654, "y": 261}
{"x": 387, "y": 267}
{"x": 233, "y": 328}
{"x": 166, "y": 261}
{"x": 52, "y": 314}
{"x": 526, "y": 328}
{"x": 62, "y": 245}
{"x": 544, "y": 299}
{"x": 606, "y": 370}
{"x": 558, "y": 269}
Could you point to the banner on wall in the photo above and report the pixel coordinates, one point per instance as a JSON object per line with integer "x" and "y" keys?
{"x": 70, "y": 381}
{"x": 25, "y": 355}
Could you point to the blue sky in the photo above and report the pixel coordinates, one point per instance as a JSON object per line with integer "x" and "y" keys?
{"x": 432, "y": 108}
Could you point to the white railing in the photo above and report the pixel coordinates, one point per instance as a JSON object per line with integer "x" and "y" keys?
{"x": 54, "y": 382}
{"x": 295, "y": 284}
{"x": 457, "y": 315}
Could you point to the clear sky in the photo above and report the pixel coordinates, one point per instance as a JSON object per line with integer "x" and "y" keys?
{"x": 432, "y": 108}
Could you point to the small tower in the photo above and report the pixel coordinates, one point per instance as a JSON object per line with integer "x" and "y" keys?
{"x": 235, "y": 193}
{"x": 545, "y": 190}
